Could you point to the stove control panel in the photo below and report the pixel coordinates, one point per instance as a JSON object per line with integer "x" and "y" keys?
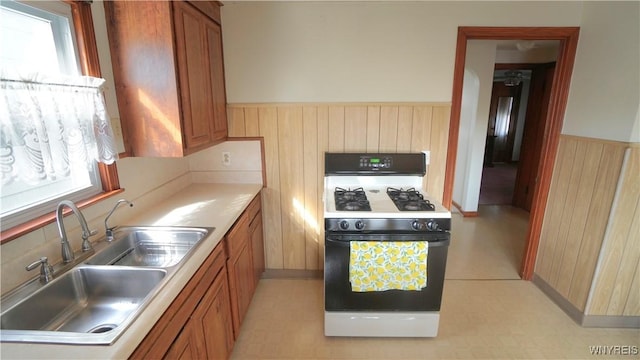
{"x": 358, "y": 164}
{"x": 382, "y": 225}
{"x": 375, "y": 162}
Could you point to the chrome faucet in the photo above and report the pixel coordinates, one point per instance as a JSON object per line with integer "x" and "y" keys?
{"x": 109, "y": 230}
{"x": 67, "y": 252}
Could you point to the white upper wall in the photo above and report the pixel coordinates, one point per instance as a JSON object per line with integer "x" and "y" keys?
{"x": 360, "y": 51}
{"x": 605, "y": 86}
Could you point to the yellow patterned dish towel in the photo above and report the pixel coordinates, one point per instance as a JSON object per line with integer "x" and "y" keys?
{"x": 380, "y": 265}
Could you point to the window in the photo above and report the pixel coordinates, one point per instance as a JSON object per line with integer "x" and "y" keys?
{"x": 40, "y": 38}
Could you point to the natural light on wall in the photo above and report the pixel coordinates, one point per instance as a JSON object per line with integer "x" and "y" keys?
{"x": 309, "y": 219}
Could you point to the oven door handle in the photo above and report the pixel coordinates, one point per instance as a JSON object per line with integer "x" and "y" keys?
{"x": 344, "y": 241}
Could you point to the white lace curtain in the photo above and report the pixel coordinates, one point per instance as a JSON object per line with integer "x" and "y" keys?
{"x": 50, "y": 125}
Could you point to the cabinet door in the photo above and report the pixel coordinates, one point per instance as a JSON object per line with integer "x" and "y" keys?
{"x": 194, "y": 75}
{"x": 257, "y": 247}
{"x": 241, "y": 283}
{"x": 219, "y": 97}
{"x": 186, "y": 345}
{"x": 213, "y": 319}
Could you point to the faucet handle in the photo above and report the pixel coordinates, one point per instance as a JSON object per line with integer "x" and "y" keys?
{"x": 86, "y": 245}
{"x": 46, "y": 270}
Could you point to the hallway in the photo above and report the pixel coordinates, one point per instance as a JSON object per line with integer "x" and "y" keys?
{"x": 497, "y": 184}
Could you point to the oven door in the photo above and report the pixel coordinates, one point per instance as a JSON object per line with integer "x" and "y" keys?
{"x": 337, "y": 288}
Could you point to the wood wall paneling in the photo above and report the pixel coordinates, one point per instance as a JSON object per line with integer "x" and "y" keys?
{"x": 268, "y": 122}
{"x": 568, "y": 211}
{"x": 607, "y": 173}
{"x": 373, "y": 128}
{"x": 620, "y": 254}
{"x": 296, "y": 136}
{"x": 251, "y": 122}
{"x": 236, "y": 122}
{"x": 354, "y": 126}
{"x": 388, "y": 129}
{"x": 576, "y": 227}
{"x": 311, "y": 189}
{"x": 336, "y": 128}
{"x": 323, "y": 145}
{"x": 579, "y": 205}
{"x": 291, "y": 151}
{"x": 405, "y": 125}
{"x": 551, "y": 226}
{"x": 438, "y": 146}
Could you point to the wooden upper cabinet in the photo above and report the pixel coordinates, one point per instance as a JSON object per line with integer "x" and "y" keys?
{"x": 169, "y": 75}
{"x": 219, "y": 97}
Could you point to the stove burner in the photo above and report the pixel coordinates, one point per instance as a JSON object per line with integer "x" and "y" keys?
{"x": 409, "y": 200}
{"x": 353, "y": 206}
{"x": 351, "y": 200}
{"x": 412, "y": 206}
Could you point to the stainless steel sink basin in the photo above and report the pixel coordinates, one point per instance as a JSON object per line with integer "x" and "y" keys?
{"x": 91, "y": 301}
{"x": 149, "y": 246}
{"x": 96, "y": 301}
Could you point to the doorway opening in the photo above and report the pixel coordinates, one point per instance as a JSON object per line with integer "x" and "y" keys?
{"x": 550, "y": 131}
{"x": 503, "y": 140}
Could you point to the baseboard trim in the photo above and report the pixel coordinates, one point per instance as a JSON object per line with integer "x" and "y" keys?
{"x": 292, "y": 274}
{"x": 608, "y": 321}
{"x": 464, "y": 213}
{"x": 597, "y": 321}
{"x": 564, "y": 304}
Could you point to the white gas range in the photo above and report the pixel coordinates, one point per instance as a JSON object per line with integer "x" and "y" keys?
{"x": 376, "y": 200}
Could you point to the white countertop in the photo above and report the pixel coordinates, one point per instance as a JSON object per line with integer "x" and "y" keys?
{"x": 211, "y": 205}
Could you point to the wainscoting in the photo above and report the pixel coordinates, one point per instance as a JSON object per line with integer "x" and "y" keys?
{"x": 590, "y": 241}
{"x": 296, "y": 136}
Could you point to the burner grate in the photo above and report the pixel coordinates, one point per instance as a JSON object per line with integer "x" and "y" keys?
{"x": 409, "y": 200}
{"x": 351, "y": 199}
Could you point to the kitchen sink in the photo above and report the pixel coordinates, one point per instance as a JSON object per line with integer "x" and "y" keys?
{"x": 83, "y": 302}
{"x": 95, "y": 300}
{"x": 149, "y": 246}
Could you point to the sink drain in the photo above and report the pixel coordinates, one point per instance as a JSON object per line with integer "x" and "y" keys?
{"x": 102, "y": 328}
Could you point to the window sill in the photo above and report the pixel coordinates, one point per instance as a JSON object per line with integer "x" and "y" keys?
{"x": 40, "y": 222}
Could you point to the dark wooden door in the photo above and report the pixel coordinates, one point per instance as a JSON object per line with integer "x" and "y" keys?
{"x": 503, "y": 116}
{"x": 532, "y": 138}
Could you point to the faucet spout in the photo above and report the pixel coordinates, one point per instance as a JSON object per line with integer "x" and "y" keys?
{"x": 109, "y": 230}
{"x": 67, "y": 252}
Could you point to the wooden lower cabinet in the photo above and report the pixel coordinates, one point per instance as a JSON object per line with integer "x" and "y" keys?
{"x": 186, "y": 345}
{"x": 241, "y": 284}
{"x": 204, "y": 320}
{"x": 246, "y": 260}
{"x": 257, "y": 246}
{"x": 198, "y": 323}
{"x": 208, "y": 334}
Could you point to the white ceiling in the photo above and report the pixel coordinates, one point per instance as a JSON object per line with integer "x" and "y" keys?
{"x": 537, "y": 44}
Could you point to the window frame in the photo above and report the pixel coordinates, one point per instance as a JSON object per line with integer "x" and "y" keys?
{"x": 90, "y": 66}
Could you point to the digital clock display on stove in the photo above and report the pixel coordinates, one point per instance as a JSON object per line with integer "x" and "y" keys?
{"x": 375, "y": 163}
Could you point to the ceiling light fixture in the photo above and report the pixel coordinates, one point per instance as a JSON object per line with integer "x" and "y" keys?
{"x": 525, "y": 45}
{"x": 513, "y": 78}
